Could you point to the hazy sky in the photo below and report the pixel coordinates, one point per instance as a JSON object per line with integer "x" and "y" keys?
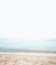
{"x": 28, "y": 19}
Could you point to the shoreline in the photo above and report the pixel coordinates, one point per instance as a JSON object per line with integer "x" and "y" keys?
{"x": 28, "y": 53}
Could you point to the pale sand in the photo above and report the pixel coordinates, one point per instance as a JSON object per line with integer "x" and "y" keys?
{"x": 20, "y": 58}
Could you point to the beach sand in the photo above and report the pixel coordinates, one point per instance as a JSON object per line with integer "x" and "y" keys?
{"x": 24, "y": 58}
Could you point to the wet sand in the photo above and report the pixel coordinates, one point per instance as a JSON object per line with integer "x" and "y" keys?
{"x": 24, "y": 58}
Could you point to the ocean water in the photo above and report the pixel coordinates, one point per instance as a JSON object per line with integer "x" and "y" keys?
{"x": 17, "y": 44}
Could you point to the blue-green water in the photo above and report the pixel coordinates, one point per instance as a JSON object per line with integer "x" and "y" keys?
{"x": 17, "y": 44}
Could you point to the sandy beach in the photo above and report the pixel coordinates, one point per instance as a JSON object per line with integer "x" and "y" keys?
{"x": 24, "y": 58}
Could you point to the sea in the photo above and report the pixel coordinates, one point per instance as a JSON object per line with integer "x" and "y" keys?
{"x": 9, "y": 44}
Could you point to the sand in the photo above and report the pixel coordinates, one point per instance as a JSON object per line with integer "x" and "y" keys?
{"x": 24, "y": 58}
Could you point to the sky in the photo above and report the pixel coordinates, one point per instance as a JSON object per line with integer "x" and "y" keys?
{"x": 28, "y": 19}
